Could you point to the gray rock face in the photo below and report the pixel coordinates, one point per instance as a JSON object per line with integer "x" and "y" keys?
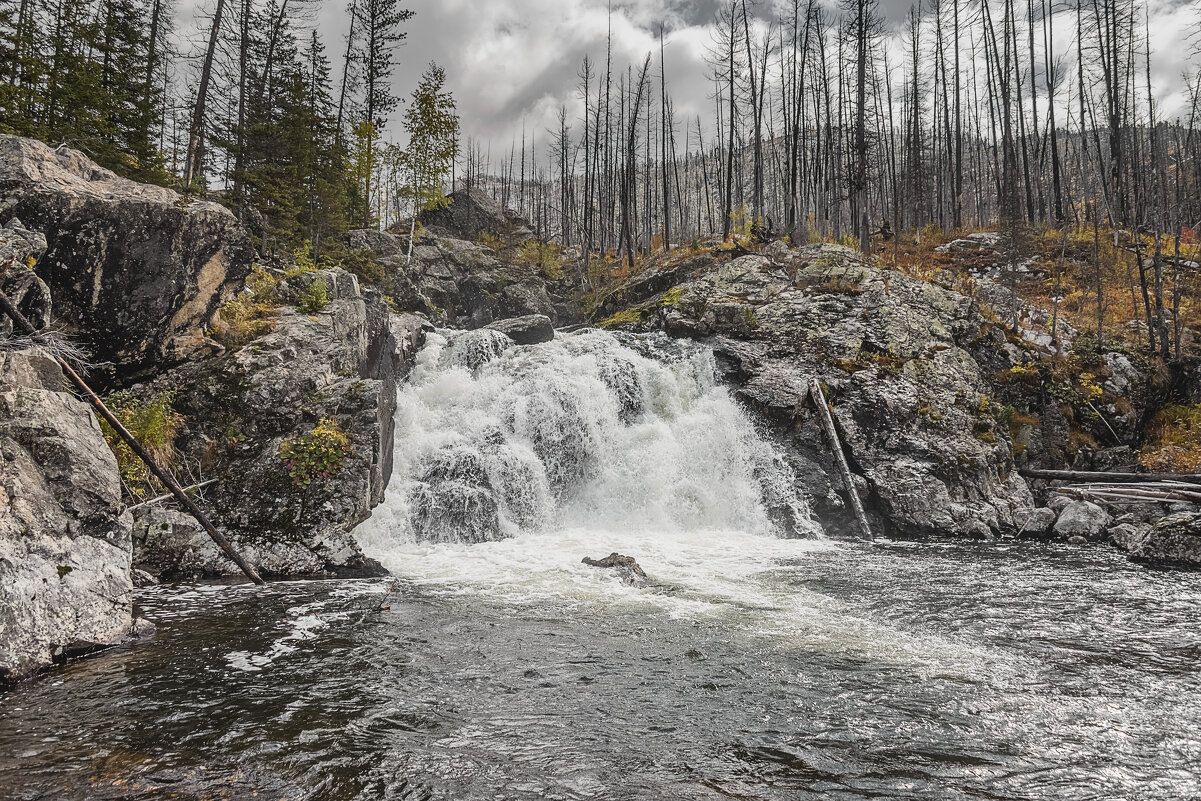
{"x": 1175, "y": 541}
{"x": 18, "y": 249}
{"x": 1082, "y": 519}
{"x": 909, "y": 401}
{"x": 137, "y": 272}
{"x": 459, "y": 283}
{"x": 64, "y": 541}
{"x": 1038, "y": 523}
{"x": 472, "y": 212}
{"x": 340, "y": 365}
{"x": 529, "y": 330}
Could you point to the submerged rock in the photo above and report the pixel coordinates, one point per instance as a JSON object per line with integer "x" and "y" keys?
{"x": 1175, "y": 541}
{"x": 626, "y": 566}
{"x": 137, "y": 271}
{"x": 64, "y": 539}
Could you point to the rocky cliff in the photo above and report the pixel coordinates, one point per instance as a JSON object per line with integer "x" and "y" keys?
{"x": 930, "y": 451}
{"x": 323, "y": 380}
{"x": 137, "y": 272}
{"x": 64, "y": 535}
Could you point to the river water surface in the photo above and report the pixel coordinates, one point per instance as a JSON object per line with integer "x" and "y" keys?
{"x": 834, "y": 672}
{"x": 760, "y": 660}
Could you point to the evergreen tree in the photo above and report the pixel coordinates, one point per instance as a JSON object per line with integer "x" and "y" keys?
{"x": 433, "y": 128}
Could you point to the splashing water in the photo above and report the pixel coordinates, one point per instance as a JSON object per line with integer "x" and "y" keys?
{"x": 514, "y": 462}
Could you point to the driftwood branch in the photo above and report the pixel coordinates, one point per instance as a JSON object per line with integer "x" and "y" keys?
{"x": 201, "y": 485}
{"x": 840, "y": 459}
{"x": 161, "y": 473}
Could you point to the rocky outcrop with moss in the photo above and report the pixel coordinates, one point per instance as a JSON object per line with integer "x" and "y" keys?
{"x": 64, "y": 535}
{"x": 297, "y": 425}
{"x": 137, "y": 271}
{"x": 930, "y": 446}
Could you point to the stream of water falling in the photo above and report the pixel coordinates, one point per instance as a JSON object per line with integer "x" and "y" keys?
{"x": 758, "y": 662}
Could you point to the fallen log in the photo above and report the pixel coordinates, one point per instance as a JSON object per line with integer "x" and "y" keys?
{"x": 1086, "y": 476}
{"x": 840, "y": 459}
{"x": 161, "y": 473}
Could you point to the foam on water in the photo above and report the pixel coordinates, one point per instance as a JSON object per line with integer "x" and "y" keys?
{"x": 513, "y": 463}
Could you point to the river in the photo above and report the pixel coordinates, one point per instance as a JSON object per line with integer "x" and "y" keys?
{"x": 750, "y": 665}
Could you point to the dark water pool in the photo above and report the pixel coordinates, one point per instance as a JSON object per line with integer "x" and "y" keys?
{"x": 956, "y": 671}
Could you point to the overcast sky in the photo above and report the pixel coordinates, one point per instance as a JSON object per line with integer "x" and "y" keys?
{"x": 514, "y": 62}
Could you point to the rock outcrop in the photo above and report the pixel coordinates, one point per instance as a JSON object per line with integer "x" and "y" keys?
{"x": 325, "y": 380}
{"x": 459, "y": 283}
{"x": 473, "y": 212}
{"x": 1174, "y": 541}
{"x": 909, "y": 400}
{"x": 137, "y": 271}
{"x": 64, "y": 538}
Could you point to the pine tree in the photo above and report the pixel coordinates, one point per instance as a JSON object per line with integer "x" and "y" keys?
{"x": 433, "y": 128}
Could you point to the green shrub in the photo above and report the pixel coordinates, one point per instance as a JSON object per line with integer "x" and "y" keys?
{"x": 314, "y": 298}
{"x": 318, "y": 454}
{"x": 154, "y": 424}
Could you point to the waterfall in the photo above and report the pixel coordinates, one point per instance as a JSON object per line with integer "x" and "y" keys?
{"x": 593, "y": 430}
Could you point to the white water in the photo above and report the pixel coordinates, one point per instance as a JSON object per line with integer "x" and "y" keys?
{"x": 513, "y": 463}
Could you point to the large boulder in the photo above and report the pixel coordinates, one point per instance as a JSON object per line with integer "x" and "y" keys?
{"x": 334, "y": 369}
{"x": 1174, "y": 541}
{"x": 457, "y": 282}
{"x": 64, "y": 539}
{"x": 909, "y": 400}
{"x": 137, "y": 271}
{"x": 472, "y": 212}
{"x": 531, "y": 329}
{"x": 1082, "y": 519}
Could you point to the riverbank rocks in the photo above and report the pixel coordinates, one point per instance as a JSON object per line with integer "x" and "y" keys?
{"x": 910, "y": 402}
{"x": 531, "y": 329}
{"x": 64, "y": 539}
{"x": 137, "y": 271}
{"x": 298, "y": 428}
{"x": 1082, "y": 519}
{"x": 1174, "y": 541}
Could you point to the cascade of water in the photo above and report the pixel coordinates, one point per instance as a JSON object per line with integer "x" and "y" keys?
{"x": 592, "y": 430}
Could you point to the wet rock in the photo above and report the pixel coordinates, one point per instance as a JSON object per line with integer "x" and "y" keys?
{"x": 910, "y": 401}
{"x": 341, "y": 365}
{"x": 1124, "y": 536}
{"x": 1175, "y": 541}
{"x": 626, "y": 566}
{"x": 1038, "y": 523}
{"x": 64, "y": 540}
{"x": 529, "y": 330}
{"x": 1082, "y": 519}
{"x": 137, "y": 272}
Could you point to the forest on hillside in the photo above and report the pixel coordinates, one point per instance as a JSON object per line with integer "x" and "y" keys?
{"x": 826, "y": 125}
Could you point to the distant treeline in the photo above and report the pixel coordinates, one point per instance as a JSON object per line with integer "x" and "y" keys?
{"x": 989, "y": 119}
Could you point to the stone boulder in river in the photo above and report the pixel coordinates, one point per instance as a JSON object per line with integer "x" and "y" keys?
{"x": 64, "y": 538}
{"x": 909, "y": 400}
{"x": 137, "y": 271}
{"x": 1174, "y": 541}
{"x": 531, "y": 329}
